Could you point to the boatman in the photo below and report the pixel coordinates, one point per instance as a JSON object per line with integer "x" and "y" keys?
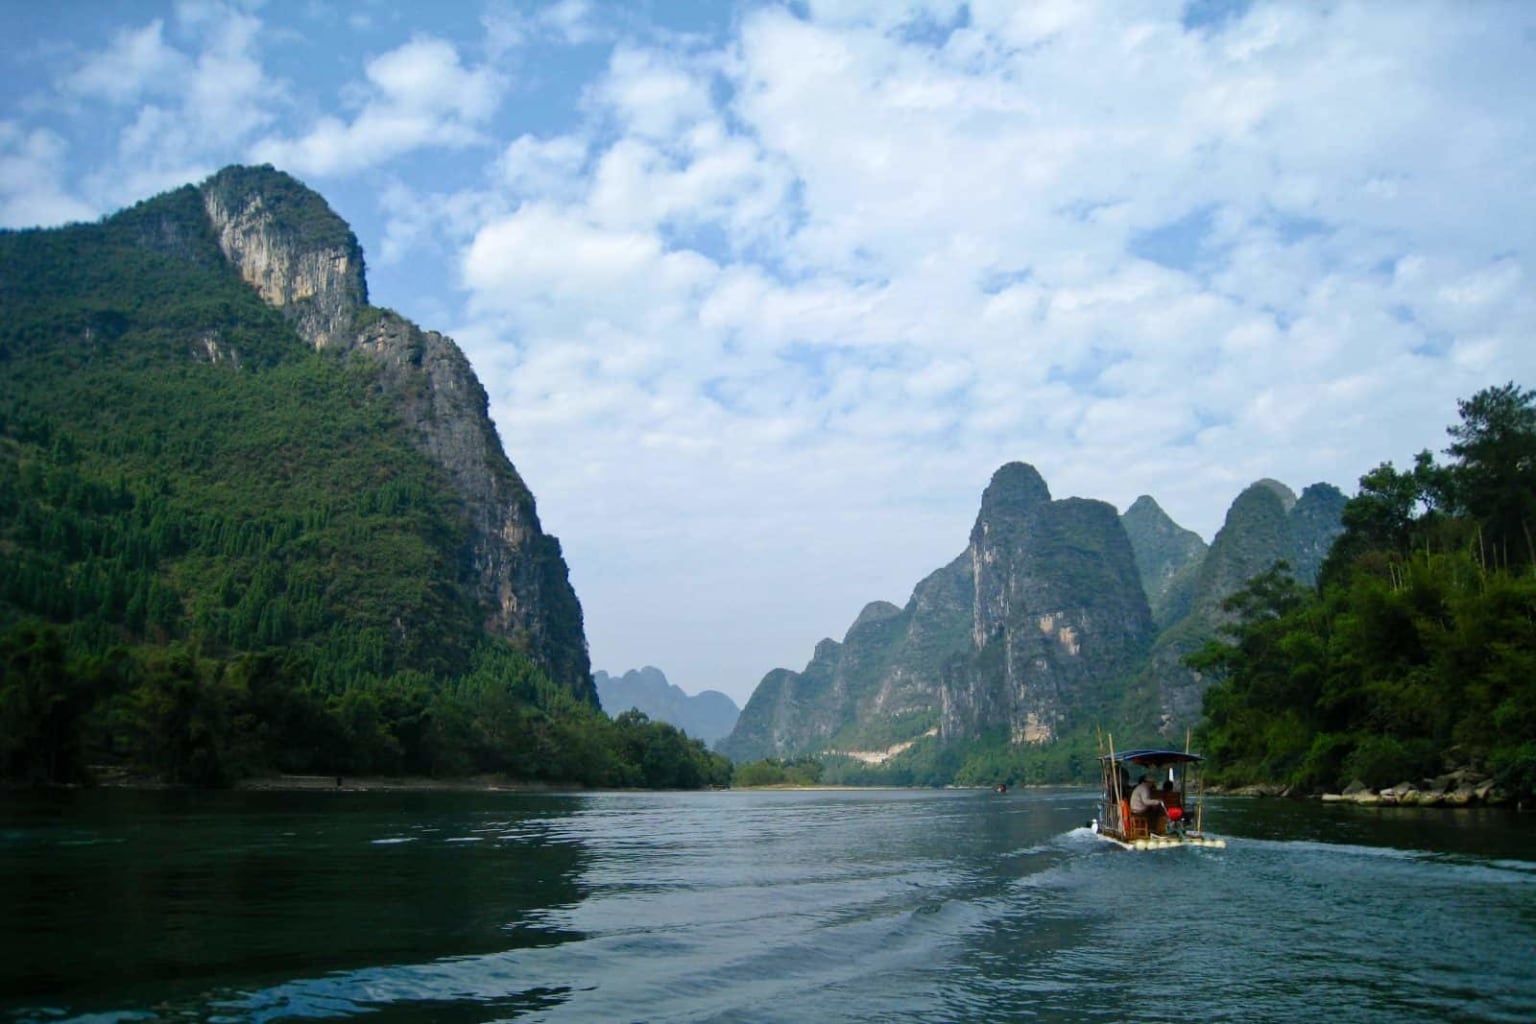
{"x": 1145, "y": 802}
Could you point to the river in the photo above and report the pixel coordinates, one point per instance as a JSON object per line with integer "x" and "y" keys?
{"x": 873, "y": 905}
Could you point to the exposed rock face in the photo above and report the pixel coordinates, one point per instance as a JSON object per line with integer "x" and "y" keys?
{"x": 288, "y": 245}
{"x": 303, "y": 260}
{"x": 708, "y": 716}
{"x": 1168, "y": 558}
{"x": 1059, "y": 609}
{"x": 1001, "y": 533}
{"x": 1039, "y": 612}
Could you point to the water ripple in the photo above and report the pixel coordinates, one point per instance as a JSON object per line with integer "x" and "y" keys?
{"x": 749, "y": 907}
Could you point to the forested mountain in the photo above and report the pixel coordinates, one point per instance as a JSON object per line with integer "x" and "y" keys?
{"x": 1003, "y": 662}
{"x": 1168, "y": 558}
{"x": 1266, "y": 524}
{"x": 249, "y": 522}
{"x": 706, "y": 716}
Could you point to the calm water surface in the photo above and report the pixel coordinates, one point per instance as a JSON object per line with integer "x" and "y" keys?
{"x": 752, "y": 906}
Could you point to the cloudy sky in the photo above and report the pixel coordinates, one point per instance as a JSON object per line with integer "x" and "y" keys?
{"x": 763, "y": 293}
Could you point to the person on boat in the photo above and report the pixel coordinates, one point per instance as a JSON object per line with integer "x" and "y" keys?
{"x": 1144, "y": 801}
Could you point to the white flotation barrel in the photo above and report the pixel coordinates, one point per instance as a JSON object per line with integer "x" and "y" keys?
{"x": 1169, "y": 842}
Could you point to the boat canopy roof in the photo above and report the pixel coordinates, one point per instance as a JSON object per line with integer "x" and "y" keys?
{"x": 1152, "y": 758}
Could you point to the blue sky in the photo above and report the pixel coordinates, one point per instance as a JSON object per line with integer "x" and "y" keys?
{"x": 763, "y": 293}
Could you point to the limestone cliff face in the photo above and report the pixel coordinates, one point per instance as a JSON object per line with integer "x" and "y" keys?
{"x": 1060, "y": 612}
{"x": 303, "y": 260}
{"x": 1017, "y": 633}
{"x": 288, "y": 245}
{"x": 1000, "y": 534}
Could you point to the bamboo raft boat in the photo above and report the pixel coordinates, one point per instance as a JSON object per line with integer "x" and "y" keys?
{"x": 1178, "y": 782}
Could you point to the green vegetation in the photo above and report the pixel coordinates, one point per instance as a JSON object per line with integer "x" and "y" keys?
{"x": 222, "y": 553}
{"x": 987, "y": 761}
{"x": 1418, "y": 653}
{"x": 882, "y": 733}
{"x": 772, "y": 771}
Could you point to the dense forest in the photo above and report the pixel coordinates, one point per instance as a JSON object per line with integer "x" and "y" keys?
{"x": 221, "y": 555}
{"x": 1416, "y": 652}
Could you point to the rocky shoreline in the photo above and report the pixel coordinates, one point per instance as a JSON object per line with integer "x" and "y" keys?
{"x": 1464, "y": 788}
{"x": 1457, "y": 789}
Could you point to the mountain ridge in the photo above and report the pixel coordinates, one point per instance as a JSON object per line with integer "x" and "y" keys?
{"x": 1043, "y": 628}
{"x": 708, "y": 715}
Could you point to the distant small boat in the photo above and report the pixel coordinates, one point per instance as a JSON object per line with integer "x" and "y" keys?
{"x": 1177, "y": 780}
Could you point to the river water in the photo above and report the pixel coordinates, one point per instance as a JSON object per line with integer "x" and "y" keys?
{"x": 873, "y": 905}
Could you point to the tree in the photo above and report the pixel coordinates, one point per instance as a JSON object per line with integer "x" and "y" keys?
{"x": 1493, "y": 477}
{"x": 1269, "y": 668}
{"x": 41, "y": 704}
{"x": 1393, "y": 513}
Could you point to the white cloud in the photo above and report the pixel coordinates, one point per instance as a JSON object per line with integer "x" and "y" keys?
{"x": 652, "y": 94}
{"x": 542, "y": 256}
{"x": 544, "y": 168}
{"x": 229, "y": 95}
{"x": 138, "y": 62}
{"x": 31, "y": 193}
{"x": 418, "y": 95}
{"x": 172, "y": 103}
{"x": 575, "y": 22}
{"x": 902, "y": 176}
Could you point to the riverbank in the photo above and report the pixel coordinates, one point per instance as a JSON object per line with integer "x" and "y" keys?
{"x": 117, "y": 777}
{"x": 372, "y": 783}
{"x": 1462, "y": 788}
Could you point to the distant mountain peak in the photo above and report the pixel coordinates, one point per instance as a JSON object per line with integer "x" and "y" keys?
{"x": 1285, "y": 494}
{"x": 1017, "y": 633}
{"x": 707, "y": 716}
{"x": 1167, "y": 558}
{"x": 875, "y": 611}
{"x": 1016, "y": 490}
{"x": 1057, "y": 611}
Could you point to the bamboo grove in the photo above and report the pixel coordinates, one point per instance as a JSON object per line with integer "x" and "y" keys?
{"x": 1416, "y": 654}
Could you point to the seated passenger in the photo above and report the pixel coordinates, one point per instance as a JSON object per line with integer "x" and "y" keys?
{"x": 1144, "y": 802}
{"x": 1170, "y": 796}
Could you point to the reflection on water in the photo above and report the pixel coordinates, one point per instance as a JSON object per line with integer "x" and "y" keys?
{"x": 774, "y": 906}
{"x": 165, "y": 893}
